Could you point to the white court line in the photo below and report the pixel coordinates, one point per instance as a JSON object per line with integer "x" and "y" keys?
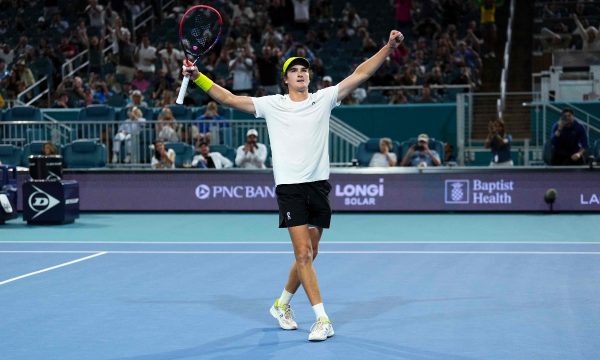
{"x": 289, "y": 243}
{"x": 349, "y": 252}
{"x": 52, "y": 268}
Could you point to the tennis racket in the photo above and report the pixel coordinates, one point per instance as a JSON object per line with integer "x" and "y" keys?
{"x": 199, "y": 31}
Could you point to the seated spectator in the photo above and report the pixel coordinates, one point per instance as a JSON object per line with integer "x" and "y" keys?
{"x": 139, "y": 82}
{"x": 210, "y": 160}
{"x": 128, "y": 130}
{"x": 252, "y": 154}
{"x": 3, "y": 72}
{"x": 49, "y": 149}
{"x": 162, "y": 159}
{"x": 101, "y": 93}
{"x": 569, "y": 140}
{"x": 426, "y": 96}
{"x": 385, "y": 157}
{"x": 499, "y": 143}
{"x": 420, "y": 155}
{"x": 201, "y": 130}
{"x": 62, "y": 101}
{"x": 166, "y": 127}
{"x": 136, "y": 99}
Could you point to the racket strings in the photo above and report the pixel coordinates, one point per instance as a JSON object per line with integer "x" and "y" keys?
{"x": 203, "y": 28}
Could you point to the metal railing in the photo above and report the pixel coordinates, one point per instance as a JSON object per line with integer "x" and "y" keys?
{"x": 506, "y": 59}
{"x": 343, "y": 140}
{"x": 35, "y": 89}
{"x": 141, "y": 19}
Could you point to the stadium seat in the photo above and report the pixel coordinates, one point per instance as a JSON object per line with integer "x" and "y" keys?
{"x": 224, "y": 150}
{"x": 96, "y": 118}
{"x": 434, "y": 144}
{"x": 365, "y": 151}
{"x": 84, "y": 154}
{"x": 184, "y": 153}
{"x": 10, "y": 154}
{"x": 20, "y": 134}
{"x": 181, "y": 112}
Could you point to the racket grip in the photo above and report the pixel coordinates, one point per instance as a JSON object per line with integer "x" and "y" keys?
{"x": 183, "y": 89}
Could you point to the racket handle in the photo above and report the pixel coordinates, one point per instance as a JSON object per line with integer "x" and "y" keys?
{"x": 183, "y": 89}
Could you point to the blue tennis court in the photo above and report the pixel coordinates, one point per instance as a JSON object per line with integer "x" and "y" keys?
{"x": 396, "y": 286}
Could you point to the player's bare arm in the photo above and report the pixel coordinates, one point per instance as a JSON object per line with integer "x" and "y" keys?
{"x": 365, "y": 70}
{"x": 220, "y": 94}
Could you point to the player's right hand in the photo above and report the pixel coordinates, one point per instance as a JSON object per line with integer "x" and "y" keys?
{"x": 189, "y": 69}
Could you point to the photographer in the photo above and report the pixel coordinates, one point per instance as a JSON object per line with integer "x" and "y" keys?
{"x": 242, "y": 67}
{"x": 253, "y": 154}
{"x": 569, "y": 140}
{"x": 420, "y": 155}
{"x": 499, "y": 143}
{"x": 385, "y": 157}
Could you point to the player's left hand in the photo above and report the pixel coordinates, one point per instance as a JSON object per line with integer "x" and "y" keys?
{"x": 396, "y": 38}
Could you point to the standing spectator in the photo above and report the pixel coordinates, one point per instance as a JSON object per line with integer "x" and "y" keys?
{"x": 95, "y": 47}
{"x": 569, "y": 140}
{"x": 242, "y": 67}
{"x": 171, "y": 59}
{"x": 162, "y": 159}
{"x": 591, "y": 40}
{"x": 128, "y": 131}
{"x": 95, "y": 14}
{"x": 488, "y": 24}
{"x": 277, "y": 14}
{"x": 251, "y": 155}
{"x": 268, "y": 64}
{"x": 145, "y": 54}
{"x": 385, "y": 157}
{"x": 499, "y": 143}
{"x": 420, "y": 155}
{"x": 210, "y": 160}
{"x": 403, "y": 14}
{"x": 126, "y": 66}
{"x": 301, "y": 14}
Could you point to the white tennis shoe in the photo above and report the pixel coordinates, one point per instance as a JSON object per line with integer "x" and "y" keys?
{"x": 321, "y": 330}
{"x": 285, "y": 315}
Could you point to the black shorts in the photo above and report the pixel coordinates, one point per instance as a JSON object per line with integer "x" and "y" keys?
{"x": 305, "y": 203}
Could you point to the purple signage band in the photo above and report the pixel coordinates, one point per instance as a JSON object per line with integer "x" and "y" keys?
{"x": 400, "y": 189}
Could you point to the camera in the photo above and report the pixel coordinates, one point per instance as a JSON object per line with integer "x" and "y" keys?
{"x": 69, "y": 84}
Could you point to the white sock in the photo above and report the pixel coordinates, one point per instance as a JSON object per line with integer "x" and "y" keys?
{"x": 320, "y": 311}
{"x": 285, "y": 297}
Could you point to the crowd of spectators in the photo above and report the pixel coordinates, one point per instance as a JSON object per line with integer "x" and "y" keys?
{"x": 259, "y": 34}
{"x": 568, "y": 25}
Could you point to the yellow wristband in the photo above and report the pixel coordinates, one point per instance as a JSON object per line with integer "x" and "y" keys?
{"x": 203, "y": 82}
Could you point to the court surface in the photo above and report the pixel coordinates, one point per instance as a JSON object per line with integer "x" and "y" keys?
{"x": 396, "y": 286}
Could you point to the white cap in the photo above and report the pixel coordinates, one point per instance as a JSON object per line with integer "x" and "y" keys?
{"x": 327, "y": 78}
{"x": 252, "y": 132}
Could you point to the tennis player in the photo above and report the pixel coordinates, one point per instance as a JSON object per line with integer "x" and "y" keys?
{"x": 298, "y": 124}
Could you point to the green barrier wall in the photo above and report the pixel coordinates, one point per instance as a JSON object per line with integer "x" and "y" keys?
{"x": 399, "y": 122}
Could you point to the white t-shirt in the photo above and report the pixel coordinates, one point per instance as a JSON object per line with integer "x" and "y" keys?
{"x": 381, "y": 160}
{"x": 146, "y": 57}
{"x": 299, "y": 134}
